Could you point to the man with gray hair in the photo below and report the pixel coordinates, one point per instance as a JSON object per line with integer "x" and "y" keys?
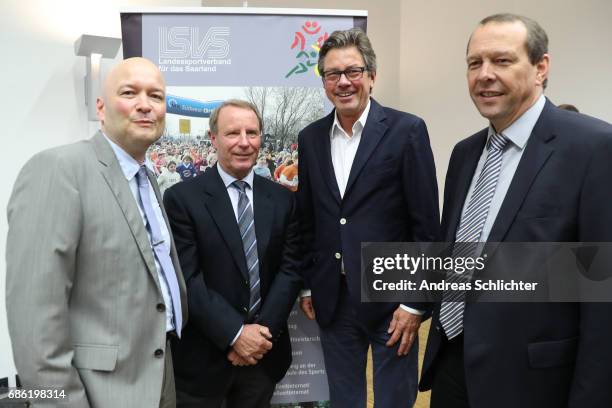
{"x": 237, "y": 237}
{"x": 366, "y": 174}
{"x": 535, "y": 174}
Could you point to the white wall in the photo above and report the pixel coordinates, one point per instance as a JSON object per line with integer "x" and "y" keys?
{"x": 43, "y": 97}
{"x": 434, "y": 37}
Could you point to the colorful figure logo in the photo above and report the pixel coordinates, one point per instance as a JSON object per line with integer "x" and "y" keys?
{"x": 310, "y": 33}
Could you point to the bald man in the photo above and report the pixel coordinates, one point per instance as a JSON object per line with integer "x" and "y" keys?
{"x": 94, "y": 288}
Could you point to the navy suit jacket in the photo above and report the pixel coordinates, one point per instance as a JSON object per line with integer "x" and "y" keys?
{"x": 538, "y": 355}
{"x": 210, "y": 251}
{"x": 391, "y": 196}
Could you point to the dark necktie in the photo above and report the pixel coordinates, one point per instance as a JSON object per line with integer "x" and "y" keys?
{"x": 469, "y": 232}
{"x": 160, "y": 248}
{"x": 246, "y": 225}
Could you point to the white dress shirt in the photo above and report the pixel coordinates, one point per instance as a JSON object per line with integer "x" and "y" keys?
{"x": 129, "y": 167}
{"x": 518, "y": 134}
{"x": 344, "y": 147}
{"x": 234, "y": 195}
{"x": 233, "y": 191}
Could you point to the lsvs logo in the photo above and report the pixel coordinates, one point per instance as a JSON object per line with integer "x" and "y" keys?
{"x": 188, "y": 42}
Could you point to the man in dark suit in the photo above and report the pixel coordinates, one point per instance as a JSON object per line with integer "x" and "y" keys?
{"x": 548, "y": 174}
{"x": 366, "y": 175}
{"x": 237, "y": 237}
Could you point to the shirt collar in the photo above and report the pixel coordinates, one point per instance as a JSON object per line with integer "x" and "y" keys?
{"x": 357, "y": 126}
{"x": 129, "y": 165}
{"x": 229, "y": 179}
{"x": 520, "y": 130}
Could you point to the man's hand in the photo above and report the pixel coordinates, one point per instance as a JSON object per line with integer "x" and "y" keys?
{"x": 404, "y": 325}
{"x": 253, "y": 343}
{"x": 236, "y": 360}
{"x": 306, "y": 306}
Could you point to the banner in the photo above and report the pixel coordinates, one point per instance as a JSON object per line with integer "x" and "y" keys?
{"x": 268, "y": 57}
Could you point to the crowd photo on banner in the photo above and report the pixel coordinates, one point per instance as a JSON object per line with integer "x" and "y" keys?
{"x": 179, "y": 158}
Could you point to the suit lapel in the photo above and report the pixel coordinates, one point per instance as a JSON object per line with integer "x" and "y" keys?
{"x": 111, "y": 171}
{"x": 264, "y": 215}
{"x": 466, "y": 172}
{"x": 373, "y": 132}
{"x": 323, "y": 150}
{"x": 537, "y": 152}
{"x": 221, "y": 210}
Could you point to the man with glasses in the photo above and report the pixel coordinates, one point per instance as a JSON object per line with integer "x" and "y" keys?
{"x": 366, "y": 175}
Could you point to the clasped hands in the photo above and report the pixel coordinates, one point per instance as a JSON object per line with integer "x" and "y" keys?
{"x": 250, "y": 347}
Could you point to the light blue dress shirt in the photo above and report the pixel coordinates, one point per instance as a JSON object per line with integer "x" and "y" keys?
{"x": 129, "y": 167}
{"x": 518, "y": 134}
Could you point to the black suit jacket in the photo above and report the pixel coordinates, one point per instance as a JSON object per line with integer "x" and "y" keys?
{"x": 391, "y": 196}
{"x": 211, "y": 254}
{"x": 536, "y": 355}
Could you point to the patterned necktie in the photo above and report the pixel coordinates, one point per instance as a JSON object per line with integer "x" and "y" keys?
{"x": 246, "y": 225}
{"x": 469, "y": 232}
{"x": 161, "y": 250}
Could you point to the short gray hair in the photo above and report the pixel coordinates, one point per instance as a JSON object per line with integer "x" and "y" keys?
{"x": 355, "y": 37}
{"x": 238, "y": 103}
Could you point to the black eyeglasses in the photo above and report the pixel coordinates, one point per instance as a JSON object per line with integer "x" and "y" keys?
{"x": 352, "y": 74}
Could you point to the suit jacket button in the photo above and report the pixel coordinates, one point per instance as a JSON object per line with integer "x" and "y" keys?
{"x": 337, "y": 255}
{"x": 161, "y": 307}
{"x": 159, "y": 353}
{"x": 438, "y": 328}
{"x": 342, "y": 221}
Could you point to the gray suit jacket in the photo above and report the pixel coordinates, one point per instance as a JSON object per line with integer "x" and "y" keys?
{"x": 82, "y": 289}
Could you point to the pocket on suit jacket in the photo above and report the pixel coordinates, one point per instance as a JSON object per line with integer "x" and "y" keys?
{"x": 546, "y": 354}
{"x": 386, "y": 167}
{"x": 540, "y": 210}
{"x": 95, "y": 356}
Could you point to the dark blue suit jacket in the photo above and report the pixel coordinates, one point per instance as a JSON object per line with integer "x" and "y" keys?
{"x": 536, "y": 355}
{"x": 213, "y": 262}
{"x": 391, "y": 196}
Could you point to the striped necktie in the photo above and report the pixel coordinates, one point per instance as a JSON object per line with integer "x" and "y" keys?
{"x": 469, "y": 232}
{"x": 246, "y": 225}
{"x": 161, "y": 249}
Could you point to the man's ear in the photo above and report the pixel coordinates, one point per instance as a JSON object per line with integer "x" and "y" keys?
{"x": 100, "y": 109}
{"x": 542, "y": 69}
